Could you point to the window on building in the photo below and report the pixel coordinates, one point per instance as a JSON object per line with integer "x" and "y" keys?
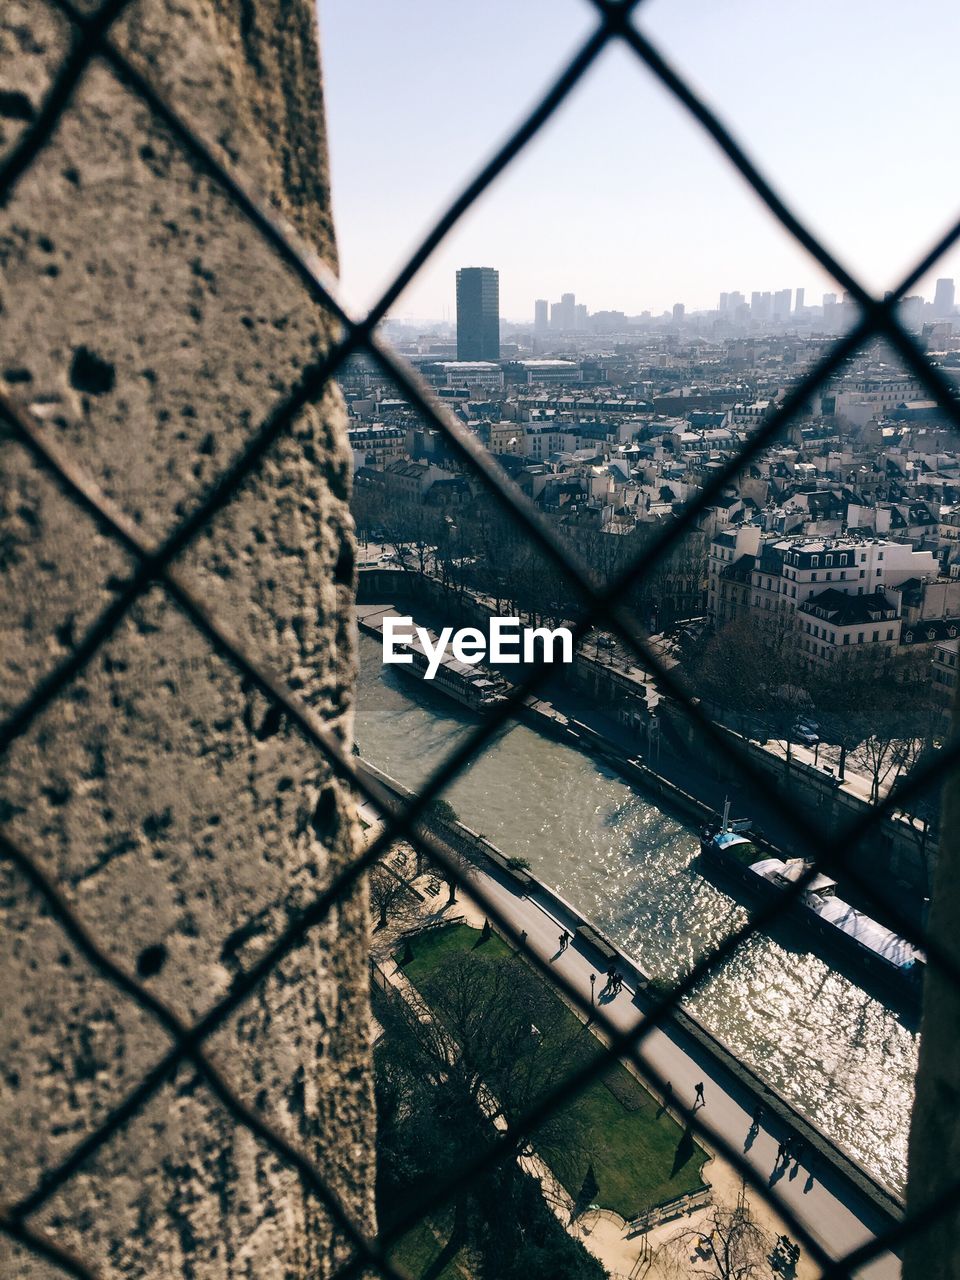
{"x": 859, "y": 637}
{"x": 846, "y": 639}
{"x": 813, "y": 577}
{"x": 876, "y": 636}
{"x": 889, "y": 633}
{"x": 814, "y": 561}
{"x": 829, "y": 576}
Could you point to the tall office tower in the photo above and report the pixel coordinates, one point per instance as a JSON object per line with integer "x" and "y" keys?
{"x": 735, "y": 300}
{"x": 580, "y": 317}
{"x": 568, "y": 312}
{"x": 781, "y": 303}
{"x": 911, "y": 312}
{"x": 798, "y": 305}
{"x": 541, "y": 317}
{"x": 478, "y": 313}
{"x": 943, "y": 299}
{"x": 829, "y": 299}
{"x": 724, "y": 303}
{"x": 756, "y": 304}
{"x": 678, "y": 311}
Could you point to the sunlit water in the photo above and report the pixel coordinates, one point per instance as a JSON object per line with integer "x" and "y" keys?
{"x": 842, "y": 1058}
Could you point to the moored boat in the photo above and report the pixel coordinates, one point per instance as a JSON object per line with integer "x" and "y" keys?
{"x": 837, "y": 926}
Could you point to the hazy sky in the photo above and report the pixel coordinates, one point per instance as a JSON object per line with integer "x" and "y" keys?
{"x": 850, "y": 106}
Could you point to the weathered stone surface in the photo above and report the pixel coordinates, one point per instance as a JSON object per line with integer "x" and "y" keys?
{"x": 149, "y": 329}
{"x": 934, "y": 1157}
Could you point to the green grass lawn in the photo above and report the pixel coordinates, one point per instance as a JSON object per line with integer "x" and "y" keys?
{"x": 415, "y": 1251}
{"x": 640, "y": 1158}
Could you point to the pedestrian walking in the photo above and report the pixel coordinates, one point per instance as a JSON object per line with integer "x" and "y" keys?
{"x": 782, "y": 1151}
{"x": 699, "y": 1098}
{"x": 757, "y": 1116}
{"x": 564, "y": 939}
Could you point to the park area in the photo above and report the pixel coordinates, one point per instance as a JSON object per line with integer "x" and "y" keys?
{"x": 613, "y": 1145}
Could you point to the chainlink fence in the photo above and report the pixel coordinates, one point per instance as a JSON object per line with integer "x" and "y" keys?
{"x": 92, "y": 44}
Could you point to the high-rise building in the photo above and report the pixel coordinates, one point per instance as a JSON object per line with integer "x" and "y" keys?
{"x": 724, "y": 301}
{"x": 478, "y": 313}
{"x": 798, "y": 304}
{"x": 580, "y": 317}
{"x": 678, "y": 312}
{"x": 943, "y": 299}
{"x": 781, "y": 303}
{"x": 541, "y": 317}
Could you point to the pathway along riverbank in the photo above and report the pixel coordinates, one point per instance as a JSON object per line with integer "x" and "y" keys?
{"x": 836, "y": 1199}
{"x": 840, "y": 1057}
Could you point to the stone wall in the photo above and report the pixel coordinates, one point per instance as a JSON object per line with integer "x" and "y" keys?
{"x": 149, "y": 329}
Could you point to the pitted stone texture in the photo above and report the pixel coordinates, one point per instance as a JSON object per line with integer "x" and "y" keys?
{"x": 56, "y": 566}
{"x": 201, "y": 1232}
{"x": 34, "y": 40}
{"x": 185, "y": 329}
{"x": 149, "y": 330}
{"x": 95, "y": 1042}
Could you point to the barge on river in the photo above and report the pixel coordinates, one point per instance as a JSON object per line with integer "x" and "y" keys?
{"x": 839, "y": 928}
{"x": 471, "y": 684}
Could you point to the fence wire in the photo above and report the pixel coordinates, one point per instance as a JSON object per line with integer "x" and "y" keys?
{"x": 91, "y": 42}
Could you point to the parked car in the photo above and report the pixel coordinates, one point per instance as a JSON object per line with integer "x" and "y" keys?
{"x": 802, "y": 732}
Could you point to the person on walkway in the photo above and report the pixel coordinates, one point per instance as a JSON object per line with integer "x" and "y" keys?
{"x": 699, "y": 1100}
{"x": 782, "y": 1151}
{"x": 757, "y": 1116}
{"x": 564, "y": 940}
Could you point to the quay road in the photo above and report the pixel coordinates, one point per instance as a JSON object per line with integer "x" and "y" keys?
{"x": 836, "y": 1213}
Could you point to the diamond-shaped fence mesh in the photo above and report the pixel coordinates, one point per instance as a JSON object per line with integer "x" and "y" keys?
{"x": 156, "y": 564}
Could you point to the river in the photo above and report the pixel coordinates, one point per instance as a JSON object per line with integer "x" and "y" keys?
{"x": 842, "y": 1058}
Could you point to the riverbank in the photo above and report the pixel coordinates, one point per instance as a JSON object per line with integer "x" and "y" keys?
{"x": 842, "y": 1185}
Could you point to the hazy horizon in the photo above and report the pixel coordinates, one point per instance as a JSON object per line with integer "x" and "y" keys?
{"x": 623, "y": 199}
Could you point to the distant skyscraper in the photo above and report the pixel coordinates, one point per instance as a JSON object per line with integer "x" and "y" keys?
{"x": 724, "y": 301}
{"x": 781, "y": 303}
{"x": 567, "y": 319}
{"x": 678, "y": 311}
{"x": 943, "y": 299}
{"x": 580, "y": 317}
{"x": 478, "y": 313}
{"x": 541, "y": 317}
{"x": 798, "y": 305}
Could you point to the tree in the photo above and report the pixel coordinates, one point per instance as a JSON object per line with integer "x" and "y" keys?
{"x": 389, "y": 891}
{"x": 733, "y": 1248}
{"x": 441, "y": 812}
{"x": 437, "y": 1077}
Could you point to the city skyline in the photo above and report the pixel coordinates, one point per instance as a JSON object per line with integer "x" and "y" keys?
{"x": 637, "y": 218}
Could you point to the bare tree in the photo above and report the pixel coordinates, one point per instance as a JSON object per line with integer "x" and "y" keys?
{"x": 734, "y": 1247}
{"x": 390, "y": 894}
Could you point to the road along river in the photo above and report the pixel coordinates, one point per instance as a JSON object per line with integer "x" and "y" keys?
{"x": 841, "y": 1057}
